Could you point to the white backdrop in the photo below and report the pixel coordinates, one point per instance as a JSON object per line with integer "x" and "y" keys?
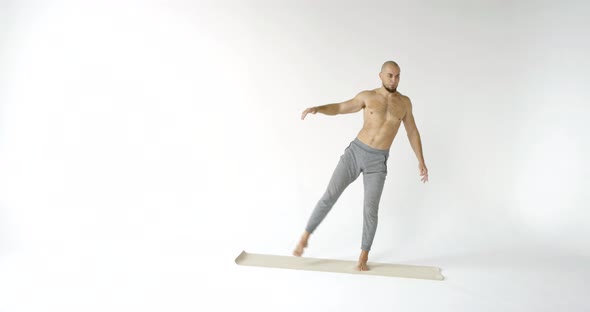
{"x": 145, "y": 144}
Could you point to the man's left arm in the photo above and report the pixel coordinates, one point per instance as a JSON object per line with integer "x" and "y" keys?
{"x": 415, "y": 141}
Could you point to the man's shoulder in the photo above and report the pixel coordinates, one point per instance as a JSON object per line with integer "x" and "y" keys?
{"x": 405, "y": 98}
{"x": 365, "y": 95}
{"x": 368, "y": 93}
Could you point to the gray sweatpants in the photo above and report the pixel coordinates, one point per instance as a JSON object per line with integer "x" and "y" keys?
{"x": 358, "y": 157}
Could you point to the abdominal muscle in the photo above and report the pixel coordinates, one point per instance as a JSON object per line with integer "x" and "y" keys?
{"x": 377, "y": 134}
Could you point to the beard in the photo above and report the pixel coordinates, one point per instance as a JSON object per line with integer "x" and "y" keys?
{"x": 389, "y": 89}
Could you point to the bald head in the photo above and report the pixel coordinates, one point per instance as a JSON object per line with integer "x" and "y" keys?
{"x": 389, "y": 64}
{"x": 389, "y": 75}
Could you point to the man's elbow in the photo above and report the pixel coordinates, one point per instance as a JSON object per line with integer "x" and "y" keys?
{"x": 413, "y": 134}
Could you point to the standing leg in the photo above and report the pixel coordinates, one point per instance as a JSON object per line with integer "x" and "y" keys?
{"x": 345, "y": 173}
{"x": 374, "y": 183}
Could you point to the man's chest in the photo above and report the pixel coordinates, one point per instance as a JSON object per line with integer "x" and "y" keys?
{"x": 389, "y": 109}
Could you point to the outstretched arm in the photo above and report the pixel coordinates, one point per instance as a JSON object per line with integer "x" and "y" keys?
{"x": 351, "y": 106}
{"x": 415, "y": 141}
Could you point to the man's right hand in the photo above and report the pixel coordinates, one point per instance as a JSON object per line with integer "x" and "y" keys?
{"x": 310, "y": 110}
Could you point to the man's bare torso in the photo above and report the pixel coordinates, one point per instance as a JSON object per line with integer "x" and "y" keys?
{"x": 383, "y": 115}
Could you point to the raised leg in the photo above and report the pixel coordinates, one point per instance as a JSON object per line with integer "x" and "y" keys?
{"x": 346, "y": 172}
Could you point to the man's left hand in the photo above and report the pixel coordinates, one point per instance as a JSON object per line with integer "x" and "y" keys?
{"x": 423, "y": 172}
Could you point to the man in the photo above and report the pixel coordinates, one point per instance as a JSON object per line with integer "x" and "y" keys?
{"x": 384, "y": 110}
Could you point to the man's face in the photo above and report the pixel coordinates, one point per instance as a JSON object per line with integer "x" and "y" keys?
{"x": 390, "y": 77}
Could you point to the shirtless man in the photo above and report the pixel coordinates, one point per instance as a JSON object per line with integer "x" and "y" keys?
{"x": 385, "y": 109}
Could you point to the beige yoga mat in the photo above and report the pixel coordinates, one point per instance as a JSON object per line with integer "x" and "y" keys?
{"x": 338, "y": 266}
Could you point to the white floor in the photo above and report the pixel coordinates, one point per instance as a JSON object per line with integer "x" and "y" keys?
{"x": 128, "y": 277}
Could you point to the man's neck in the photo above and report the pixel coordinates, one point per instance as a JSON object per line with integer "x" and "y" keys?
{"x": 386, "y": 93}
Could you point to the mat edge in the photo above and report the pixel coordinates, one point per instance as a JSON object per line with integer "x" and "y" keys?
{"x": 240, "y": 257}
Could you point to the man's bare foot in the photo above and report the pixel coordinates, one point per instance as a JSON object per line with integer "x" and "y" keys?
{"x": 362, "y": 265}
{"x": 299, "y": 249}
{"x": 302, "y": 244}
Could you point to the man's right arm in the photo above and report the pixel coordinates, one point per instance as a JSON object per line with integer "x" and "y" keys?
{"x": 351, "y": 106}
